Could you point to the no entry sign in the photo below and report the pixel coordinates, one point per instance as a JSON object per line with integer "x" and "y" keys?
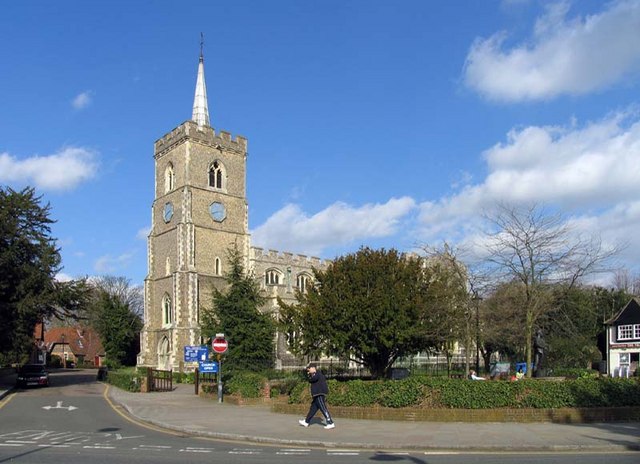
{"x": 219, "y": 345}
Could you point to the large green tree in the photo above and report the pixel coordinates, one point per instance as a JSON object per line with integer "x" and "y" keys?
{"x": 371, "y": 307}
{"x": 29, "y": 262}
{"x": 235, "y": 312}
{"x": 115, "y": 312}
{"x": 576, "y": 323}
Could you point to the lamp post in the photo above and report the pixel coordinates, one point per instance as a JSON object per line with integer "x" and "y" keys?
{"x": 64, "y": 353}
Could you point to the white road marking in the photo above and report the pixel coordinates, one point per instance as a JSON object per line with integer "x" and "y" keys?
{"x": 98, "y": 447}
{"x": 11, "y": 444}
{"x": 190, "y": 449}
{"x": 245, "y": 451}
{"x": 343, "y": 452}
{"x": 59, "y": 406}
{"x": 294, "y": 451}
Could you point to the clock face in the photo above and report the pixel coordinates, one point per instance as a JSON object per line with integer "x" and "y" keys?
{"x": 218, "y": 212}
{"x": 167, "y": 213}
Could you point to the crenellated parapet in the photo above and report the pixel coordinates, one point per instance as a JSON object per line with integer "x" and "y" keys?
{"x": 278, "y": 258}
{"x": 202, "y": 134}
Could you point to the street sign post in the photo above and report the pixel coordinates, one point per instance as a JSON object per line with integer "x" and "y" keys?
{"x": 220, "y": 346}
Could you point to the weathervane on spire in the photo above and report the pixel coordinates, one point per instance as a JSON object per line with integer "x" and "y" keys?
{"x": 201, "y": 44}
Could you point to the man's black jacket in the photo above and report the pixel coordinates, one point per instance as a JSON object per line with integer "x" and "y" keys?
{"x": 318, "y": 384}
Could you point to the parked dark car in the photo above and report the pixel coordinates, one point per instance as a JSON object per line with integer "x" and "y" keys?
{"x": 32, "y": 374}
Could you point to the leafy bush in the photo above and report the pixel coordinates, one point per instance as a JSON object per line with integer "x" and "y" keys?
{"x": 184, "y": 377}
{"x": 246, "y": 384}
{"x": 576, "y": 373}
{"x": 126, "y": 379}
{"x": 455, "y": 393}
{"x": 297, "y": 394}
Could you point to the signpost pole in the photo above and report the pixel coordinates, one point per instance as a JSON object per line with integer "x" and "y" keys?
{"x": 220, "y": 346}
{"x": 219, "y": 378}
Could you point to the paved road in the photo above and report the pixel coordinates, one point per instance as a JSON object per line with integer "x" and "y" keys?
{"x": 74, "y": 422}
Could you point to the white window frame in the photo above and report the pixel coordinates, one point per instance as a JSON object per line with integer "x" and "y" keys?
{"x": 628, "y": 332}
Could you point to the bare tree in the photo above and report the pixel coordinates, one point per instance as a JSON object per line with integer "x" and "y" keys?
{"x": 624, "y": 280}
{"x": 536, "y": 249}
{"x": 121, "y": 289}
{"x": 466, "y": 323}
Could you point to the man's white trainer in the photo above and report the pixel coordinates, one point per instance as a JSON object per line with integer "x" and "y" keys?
{"x": 332, "y": 425}
{"x": 303, "y": 423}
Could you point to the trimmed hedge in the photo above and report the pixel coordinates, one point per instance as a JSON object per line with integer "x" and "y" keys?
{"x": 126, "y": 379}
{"x": 429, "y": 392}
{"x": 246, "y": 385}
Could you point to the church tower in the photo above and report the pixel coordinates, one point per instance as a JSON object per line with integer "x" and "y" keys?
{"x": 199, "y": 211}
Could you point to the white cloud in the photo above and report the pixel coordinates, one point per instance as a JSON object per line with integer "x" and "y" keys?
{"x": 589, "y": 172}
{"x": 62, "y": 277}
{"x": 109, "y": 264}
{"x": 564, "y": 56}
{"x": 82, "y": 100}
{"x": 290, "y": 229}
{"x": 143, "y": 233}
{"x": 63, "y": 170}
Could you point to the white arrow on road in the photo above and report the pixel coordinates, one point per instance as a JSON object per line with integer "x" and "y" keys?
{"x": 59, "y": 406}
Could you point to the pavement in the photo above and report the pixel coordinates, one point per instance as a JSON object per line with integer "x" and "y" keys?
{"x": 182, "y": 411}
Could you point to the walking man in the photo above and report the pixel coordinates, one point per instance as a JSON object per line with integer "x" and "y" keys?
{"x": 319, "y": 390}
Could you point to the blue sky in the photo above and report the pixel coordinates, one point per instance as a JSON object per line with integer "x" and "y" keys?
{"x": 387, "y": 124}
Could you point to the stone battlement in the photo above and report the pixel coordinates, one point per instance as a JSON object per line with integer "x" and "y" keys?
{"x": 206, "y": 135}
{"x": 284, "y": 258}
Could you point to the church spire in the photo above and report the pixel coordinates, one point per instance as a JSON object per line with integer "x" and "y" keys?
{"x": 200, "y": 110}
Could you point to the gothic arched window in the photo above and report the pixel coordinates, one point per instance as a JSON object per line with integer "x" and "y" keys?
{"x": 303, "y": 281}
{"x": 272, "y": 277}
{"x": 218, "y": 266}
{"x": 216, "y": 175}
{"x": 167, "y": 313}
{"x": 169, "y": 178}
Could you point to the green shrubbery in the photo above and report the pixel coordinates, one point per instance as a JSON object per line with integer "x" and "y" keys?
{"x": 426, "y": 392}
{"x": 246, "y": 385}
{"x": 183, "y": 377}
{"x": 454, "y": 393}
{"x": 127, "y": 379}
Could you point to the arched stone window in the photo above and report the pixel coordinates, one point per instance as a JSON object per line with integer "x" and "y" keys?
{"x": 167, "y": 310}
{"x": 303, "y": 281}
{"x": 169, "y": 178}
{"x": 216, "y": 175}
{"x": 218, "y": 266}
{"x": 273, "y": 277}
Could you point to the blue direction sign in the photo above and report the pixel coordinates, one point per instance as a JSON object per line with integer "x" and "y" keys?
{"x": 210, "y": 367}
{"x": 196, "y": 353}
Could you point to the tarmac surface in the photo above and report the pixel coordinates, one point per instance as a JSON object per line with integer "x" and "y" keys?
{"x": 181, "y": 410}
